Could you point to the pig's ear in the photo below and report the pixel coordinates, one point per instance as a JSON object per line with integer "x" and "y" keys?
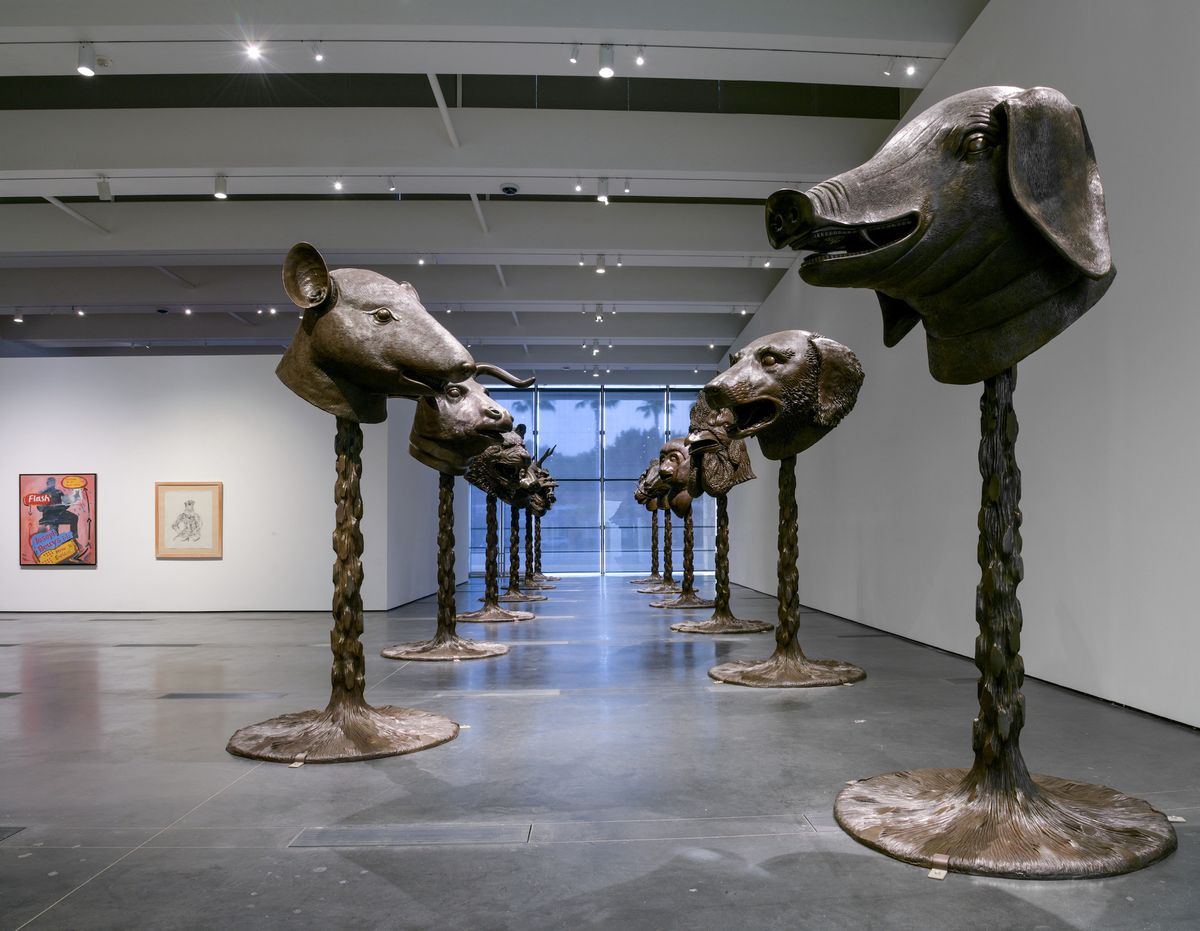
{"x": 306, "y": 277}
{"x": 838, "y": 381}
{"x": 1053, "y": 175}
{"x": 898, "y": 318}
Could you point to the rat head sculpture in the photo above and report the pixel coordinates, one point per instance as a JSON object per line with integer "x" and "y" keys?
{"x": 789, "y": 389}
{"x": 452, "y": 427}
{"x": 983, "y": 218}
{"x": 364, "y": 338}
{"x": 503, "y": 470}
{"x": 719, "y": 462}
{"x": 676, "y": 476}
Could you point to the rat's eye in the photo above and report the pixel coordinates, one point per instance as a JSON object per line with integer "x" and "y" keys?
{"x": 975, "y": 143}
{"x": 383, "y": 315}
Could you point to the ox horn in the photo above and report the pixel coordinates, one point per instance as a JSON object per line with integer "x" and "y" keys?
{"x": 484, "y": 368}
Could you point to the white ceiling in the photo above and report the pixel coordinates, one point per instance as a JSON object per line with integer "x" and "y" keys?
{"x": 689, "y": 235}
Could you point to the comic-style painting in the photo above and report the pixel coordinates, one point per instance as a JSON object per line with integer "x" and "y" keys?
{"x": 58, "y": 519}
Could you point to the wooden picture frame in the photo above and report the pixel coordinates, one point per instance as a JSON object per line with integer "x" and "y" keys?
{"x": 188, "y": 520}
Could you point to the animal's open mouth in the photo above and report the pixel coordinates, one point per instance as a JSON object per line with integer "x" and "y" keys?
{"x": 753, "y": 416}
{"x": 829, "y": 243}
{"x": 700, "y": 441}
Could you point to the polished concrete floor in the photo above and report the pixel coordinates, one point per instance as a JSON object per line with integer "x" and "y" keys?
{"x": 601, "y": 780}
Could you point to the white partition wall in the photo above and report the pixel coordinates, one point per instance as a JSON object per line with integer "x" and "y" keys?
{"x": 135, "y": 421}
{"x": 1110, "y": 424}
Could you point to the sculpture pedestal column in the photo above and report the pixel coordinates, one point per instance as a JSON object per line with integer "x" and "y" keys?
{"x": 655, "y": 577}
{"x": 723, "y": 620}
{"x": 687, "y": 596}
{"x": 514, "y": 593}
{"x": 348, "y": 728}
{"x": 996, "y": 819}
{"x": 530, "y": 583}
{"x": 446, "y": 644}
{"x": 491, "y": 612}
{"x": 538, "y": 574}
{"x": 787, "y": 667}
{"x": 667, "y": 584}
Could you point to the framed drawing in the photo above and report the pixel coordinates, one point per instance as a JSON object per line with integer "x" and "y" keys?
{"x": 187, "y": 520}
{"x": 57, "y": 519}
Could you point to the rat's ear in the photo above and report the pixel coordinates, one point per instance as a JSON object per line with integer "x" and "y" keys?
{"x": 306, "y": 277}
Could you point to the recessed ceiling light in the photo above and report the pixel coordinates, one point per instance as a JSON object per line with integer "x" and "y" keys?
{"x": 85, "y": 62}
{"x": 573, "y": 57}
{"x": 18, "y": 317}
{"x": 79, "y": 311}
{"x": 337, "y": 184}
{"x": 712, "y": 345}
{"x": 271, "y": 311}
{"x": 259, "y": 311}
{"x": 766, "y": 263}
{"x": 253, "y": 50}
{"x": 581, "y": 266}
{"x": 626, "y": 185}
{"x": 910, "y": 70}
{"x": 422, "y": 262}
{"x": 743, "y": 311}
{"x": 606, "y": 62}
{"x": 639, "y": 57}
{"x": 187, "y": 311}
{"x": 695, "y": 371}
{"x": 221, "y": 187}
{"x": 578, "y": 186}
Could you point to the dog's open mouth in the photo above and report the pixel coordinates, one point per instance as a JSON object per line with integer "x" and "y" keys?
{"x": 753, "y": 416}
{"x": 828, "y": 243}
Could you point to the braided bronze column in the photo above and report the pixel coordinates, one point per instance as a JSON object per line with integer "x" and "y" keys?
{"x": 667, "y": 583}
{"x": 538, "y": 574}
{"x": 995, "y": 818}
{"x": 787, "y": 667}
{"x": 348, "y": 728}
{"x": 492, "y": 613}
{"x": 514, "y": 593}
{"x": 655, "y": 577}
{"x": 687, "y": 596}
{"x": 531, "y": 583}
{"x": 446, "y": 645}
{"x": 723, "y": 620}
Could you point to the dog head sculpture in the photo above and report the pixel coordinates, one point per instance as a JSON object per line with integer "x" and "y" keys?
{"x": 503, "y": 469}
{"x": 789, "y": 389}
{"x": 983, "y": 218}
{"x": 676, "y": 476}
{"x": 364, "y": 338}
{"x": 719, "y": 462}
{"x": 455, "y": 425}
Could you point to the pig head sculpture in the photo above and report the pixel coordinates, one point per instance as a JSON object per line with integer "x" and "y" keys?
{"x": 504, "y": 470}
{"x": 719, "y": 462}
{"x": 983, "y": 218}
{"x": 789, "y": 389}
{"x": 676, "y": 476}
{"x": 364, "y": 338}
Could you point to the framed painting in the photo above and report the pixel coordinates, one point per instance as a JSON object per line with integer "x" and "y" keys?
{"x": 187, "y": 520}
{"x": 57, "y": 519}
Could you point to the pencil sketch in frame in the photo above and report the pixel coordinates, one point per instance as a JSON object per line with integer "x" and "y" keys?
{"x": 187, "y": 520}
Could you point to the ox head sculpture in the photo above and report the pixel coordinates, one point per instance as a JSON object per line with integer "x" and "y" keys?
{"x": 455, "y": 425}
{"x": 789, "y": 389}
{"x": 983, "y": 219}
{"x": 364, "y": 338}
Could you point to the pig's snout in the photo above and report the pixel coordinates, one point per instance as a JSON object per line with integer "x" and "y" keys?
{"x": 790, "y": 216}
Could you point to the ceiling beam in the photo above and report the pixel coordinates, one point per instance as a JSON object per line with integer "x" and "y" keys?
{"x": 76, "y": 215}
{"x": 440, "y": 99}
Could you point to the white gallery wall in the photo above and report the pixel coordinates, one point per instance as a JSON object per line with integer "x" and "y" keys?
{"x": 135, "y": 421}
{"x": 1110, "y": 421}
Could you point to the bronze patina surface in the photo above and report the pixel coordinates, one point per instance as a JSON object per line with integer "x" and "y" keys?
{"x": 788, "y": 389}
{"x": 983, "y": 220}
{"x": 675, "y": 468}
{"x": 642, "y": 496}
{"x": 546, "y": 480}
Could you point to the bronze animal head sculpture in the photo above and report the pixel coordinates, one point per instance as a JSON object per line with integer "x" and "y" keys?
{"x": 542, "y": 495}
{"x": 364, "y": 338}
{"x": 983, "y": 218}
{"x": 676, "y": 476}
{"x": 719, "y": 462}
{"x": 503, "y": 469}
{"x": 455, "y": 425}
{"x": 647, "y": 490}
{"x": 789, "y": 389}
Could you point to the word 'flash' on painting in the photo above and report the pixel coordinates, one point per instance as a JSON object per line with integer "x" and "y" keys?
{"x": 58, "y": 519}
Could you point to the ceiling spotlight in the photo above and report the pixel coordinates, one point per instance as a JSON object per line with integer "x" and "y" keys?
{"x": 259, "y": 311}
{"x": 602, "y": 191}
{"x": 595, "y": 374}
{"x": 578, "y": 186}
{"x": 626, "y": 185}
{"x": 766, "y": 263}
{"x": 449, "y": 309}
{"x": 599, "y": 318}
{"x": 103, "y": 190}
{"x": 910, "y": 69}
{"x": 318, "y": 52}
{"x": 18, "y": 317}
{"x": 889, "y": 67}
{"x": 573, "y": 58}
{"x": 606, "y": 62}
{"x": 581, "y": 266}
{"x": 187, "y": 311}
{"x": 85, "y": 63}
{"x": 79, "y": 311}
{"x": 221, "y": 187}
{"x": 712, "y": 345}
{"x": 253, "y": 50}
{"x": 421, "y": 261}
{"x": 743, "y": 311}
{"x": 610, "y": 345}
{"x": 695, "y": 371}
{"x": 583, "y": 345}
{"x": 607, "y": 371}
{"x": 391, "y": 182}
{"x": 639, "y": 57}
{"x": 337, "y": 184}
{"x": 600, "y": 266}
{"x": 271, "y": 311}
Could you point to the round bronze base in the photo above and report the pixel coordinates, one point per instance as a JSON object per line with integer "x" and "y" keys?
{"x": 494, "y": 615}
{"x": 648, "y": 580}
{"x": 686, "y": 600}
{"x": 511, "y": 597}
{"x": 722, "y": 624}
{"x": 533, "y": 585}
{"x": 542, "y": 577}
{"x": 662, "y": 588}
{"x": 444, "y": 650}
{"x": 787, "y": 672}
{"x": 342, "y": 734}
{"x": 1068, "y": 830}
